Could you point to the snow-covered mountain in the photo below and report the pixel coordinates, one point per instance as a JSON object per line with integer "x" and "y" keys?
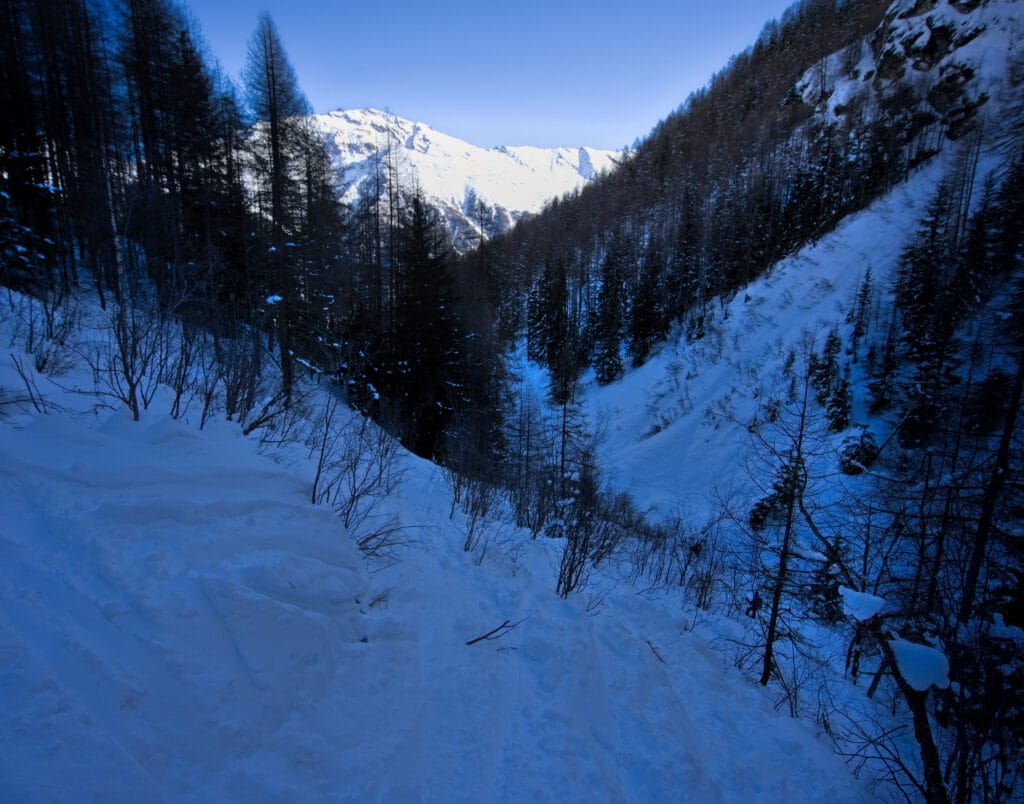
{"x": 475, "y": 189}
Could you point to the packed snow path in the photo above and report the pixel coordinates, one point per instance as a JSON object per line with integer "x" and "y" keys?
{"x": 177, "y": 622}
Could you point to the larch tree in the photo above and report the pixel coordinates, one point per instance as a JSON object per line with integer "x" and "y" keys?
{"x": 279, "y": 107}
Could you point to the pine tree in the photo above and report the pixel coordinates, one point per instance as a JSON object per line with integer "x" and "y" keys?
{"x": 918, "y": 283}
{"x": 34, "y": 143}
{"x": 858, "y": 317}
{"x": 646, "y": 321}
{"x": 825, "y": 367}
{"x": 840, "y": 402}
{"x": 608, "y": 323}
{"x": 884, "y": 370}
{"x": 930, "y": 310}
{"x": 317, "y": 261}
{"x": 427, "y": 350}
{"x": 1007, "y": 238}
{"x": 549, "y": 338}
{"x": 685, "y": 284}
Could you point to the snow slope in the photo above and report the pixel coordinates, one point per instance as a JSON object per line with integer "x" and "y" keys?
{"x": 177, "y": 622}
{"x": 676, "y": 426}
{"x": 453, "y": 175}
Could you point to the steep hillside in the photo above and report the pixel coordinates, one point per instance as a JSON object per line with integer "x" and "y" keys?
{"x": 179, "y": 622}
{"x": 962, "y": 63}
{"x": 806, "y": 356}
{"x": 830, "y": 109}
{"x": 478, "y": 191}
{"x": 677, "y": 427}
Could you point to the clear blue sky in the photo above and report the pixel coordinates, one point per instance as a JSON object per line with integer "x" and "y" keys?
{"x": 525, "y": 72}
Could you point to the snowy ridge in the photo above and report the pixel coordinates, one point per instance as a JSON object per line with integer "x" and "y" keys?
{"x": 453, "y": 175}
{"x": 178, "y": 622}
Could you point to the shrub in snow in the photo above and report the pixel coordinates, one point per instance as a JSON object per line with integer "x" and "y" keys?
{"x": 858, "y": 454}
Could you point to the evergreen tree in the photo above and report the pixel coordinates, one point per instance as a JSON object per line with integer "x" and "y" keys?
{"x": 607, "y": 326}
{"x": 926, "y": 298}
{"x": 883, "y": 369}
{"x": 426, "y": 341}
{"x": 685, "y": 285}
{"x": 919, "y": 277}
{"x": 55, "y": 131}
{"x": 150, "y": 59}
{"x": 858, "y": 316}
{"x": 549, "y": 338}
{"x": 646, "y": 321}
{"x": 321, "y": 315}
{"x": 825, "y": 367}
{"x": 1007, "y": 237}
{"x": 840, "y": 402}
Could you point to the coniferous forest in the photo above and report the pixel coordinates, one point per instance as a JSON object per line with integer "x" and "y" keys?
{"x": 203, "y": 218}
{"x": 130, "y": 163}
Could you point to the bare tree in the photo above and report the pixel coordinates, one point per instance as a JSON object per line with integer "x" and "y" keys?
{"x": 280, "y": 107}
{"x": 357, "y": 463}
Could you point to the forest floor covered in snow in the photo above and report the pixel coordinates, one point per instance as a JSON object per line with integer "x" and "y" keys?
{"x": 179, "y": 622}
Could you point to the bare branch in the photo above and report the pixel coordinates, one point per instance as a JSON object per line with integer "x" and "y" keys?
{"x": 496, "y": 633}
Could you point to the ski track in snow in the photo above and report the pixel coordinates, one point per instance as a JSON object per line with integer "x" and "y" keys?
{"x": 178, "y": 623}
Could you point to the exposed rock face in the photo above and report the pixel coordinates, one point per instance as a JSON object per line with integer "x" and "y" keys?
{"x": 927, "y": 63}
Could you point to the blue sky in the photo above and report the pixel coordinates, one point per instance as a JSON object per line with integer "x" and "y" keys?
{"x": 526, "y": 72}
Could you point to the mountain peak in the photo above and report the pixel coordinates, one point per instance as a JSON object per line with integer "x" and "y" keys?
{"x": 455, "y": 176}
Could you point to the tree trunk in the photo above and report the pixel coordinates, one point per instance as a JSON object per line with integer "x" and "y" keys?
{"x": 794, "y": 488}
{"x": 934, "y": 788}
{"x": 993, "y": 487}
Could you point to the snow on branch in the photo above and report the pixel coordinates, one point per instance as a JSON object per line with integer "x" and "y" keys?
{"x": 920, "y": 665}
{"x": 860, "y": 605}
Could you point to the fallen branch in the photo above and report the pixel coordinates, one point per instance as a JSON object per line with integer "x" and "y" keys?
{"x": 654, "y": 650}
{"x": 496, "y": 633}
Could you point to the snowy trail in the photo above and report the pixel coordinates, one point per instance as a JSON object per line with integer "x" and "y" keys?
{"x": 178, "y": 623}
